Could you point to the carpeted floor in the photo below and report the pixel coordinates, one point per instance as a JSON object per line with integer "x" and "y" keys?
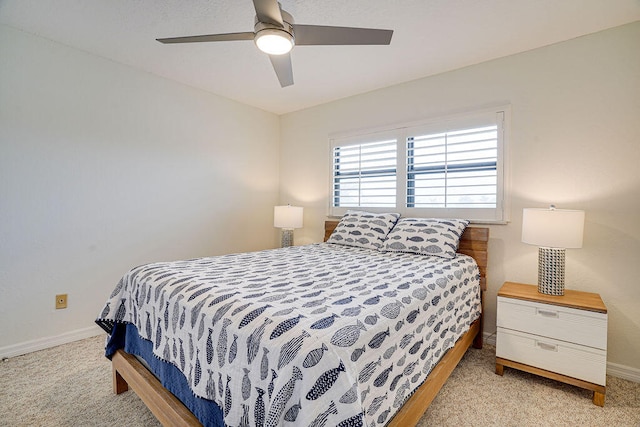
{"x": 70, "y": 385}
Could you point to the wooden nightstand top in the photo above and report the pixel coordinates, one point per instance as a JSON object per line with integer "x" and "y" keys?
{"x": 573, "y": 299}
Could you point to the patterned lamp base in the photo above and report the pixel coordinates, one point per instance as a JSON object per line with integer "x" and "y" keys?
{"x": 551, "y": 271}
{"x": 287, "y": 238}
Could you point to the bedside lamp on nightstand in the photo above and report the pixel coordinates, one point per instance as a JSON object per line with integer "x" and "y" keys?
{"x": 553, "y": 230}
{"x": 287, "y": 217}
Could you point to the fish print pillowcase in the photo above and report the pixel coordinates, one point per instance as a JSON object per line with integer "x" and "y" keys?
{"x": 426, "y": 236}
{"x": 363, "y": 229}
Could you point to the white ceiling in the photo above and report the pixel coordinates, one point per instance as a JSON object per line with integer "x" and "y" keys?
{"x": 430, "y": 37}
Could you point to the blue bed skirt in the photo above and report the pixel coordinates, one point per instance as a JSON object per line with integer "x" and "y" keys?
{"x": 126, "y": 336}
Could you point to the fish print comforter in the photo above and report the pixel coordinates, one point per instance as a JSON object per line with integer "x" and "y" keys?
{"x": 317, "y": 335}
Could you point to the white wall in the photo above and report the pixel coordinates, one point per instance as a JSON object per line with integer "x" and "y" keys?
{"x": 575, "y": 142}
{"x": 103, "y": 168}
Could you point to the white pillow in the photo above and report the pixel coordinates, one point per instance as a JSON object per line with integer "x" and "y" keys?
{"x": 363, "y": 229}
{"x": 426, "y": 236}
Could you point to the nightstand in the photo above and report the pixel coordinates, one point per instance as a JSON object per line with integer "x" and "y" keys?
{"x": 559, "y": 337}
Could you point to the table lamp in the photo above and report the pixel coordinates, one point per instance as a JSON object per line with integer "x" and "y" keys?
{"x": 287, "y": 218}
{"x": 552, "y": 230}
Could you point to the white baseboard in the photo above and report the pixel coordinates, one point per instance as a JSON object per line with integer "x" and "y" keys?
{"x": 624, "y": 372}
{"x": 489, "y": 338}
{"x": 613, "y": 369}
{"x": 48, "y": 342}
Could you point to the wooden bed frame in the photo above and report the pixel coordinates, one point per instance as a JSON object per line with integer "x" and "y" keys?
{"x": 129, "y": 372}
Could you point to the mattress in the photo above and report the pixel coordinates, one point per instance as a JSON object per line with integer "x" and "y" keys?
{"x": 314, "y": 335}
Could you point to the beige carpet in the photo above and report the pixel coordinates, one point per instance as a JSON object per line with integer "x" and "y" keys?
{"x": 70, "y": 385}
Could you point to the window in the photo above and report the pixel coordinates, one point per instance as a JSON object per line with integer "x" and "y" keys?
{"x": 450, "y": 167}
{"x": 453, "y": 169}
{"x": 365, "y": 175}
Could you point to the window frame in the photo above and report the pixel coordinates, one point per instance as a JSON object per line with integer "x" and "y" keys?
{"x": 501, "y": 115}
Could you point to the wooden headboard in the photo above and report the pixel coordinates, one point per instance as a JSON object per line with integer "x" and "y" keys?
{"x": 474, "y": 242}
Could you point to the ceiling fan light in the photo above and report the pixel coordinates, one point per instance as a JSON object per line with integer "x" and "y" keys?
{"x": 274, "y": 41}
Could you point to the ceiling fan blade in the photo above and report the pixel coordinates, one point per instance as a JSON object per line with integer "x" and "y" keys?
{"x": 284, "y": 70}
{"x": 327, "y": 35}
{"x": 268, "y": 11}
{"x": 209, "y": 38}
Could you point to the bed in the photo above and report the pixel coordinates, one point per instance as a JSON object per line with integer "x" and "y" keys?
{"x": 340, "y": 331}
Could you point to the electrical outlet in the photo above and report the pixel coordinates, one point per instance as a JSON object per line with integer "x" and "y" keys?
{"x": 61, "y": 301}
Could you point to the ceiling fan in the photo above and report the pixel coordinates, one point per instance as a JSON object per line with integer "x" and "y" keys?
{"x": 275, "y": 34}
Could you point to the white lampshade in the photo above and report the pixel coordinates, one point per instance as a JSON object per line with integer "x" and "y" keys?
{"x": 288, "y": 217}
{"x": 553, "y": 228}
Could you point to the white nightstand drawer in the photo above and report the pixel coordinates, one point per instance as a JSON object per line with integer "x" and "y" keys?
{"x": 582, "y": 327}
{"x": 585, "y": 363}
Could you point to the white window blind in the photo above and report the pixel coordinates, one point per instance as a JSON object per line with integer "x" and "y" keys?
{"x": 449, "y": 167}
{"x": 455, "y": 169}
{"x": 364, "y": 175}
